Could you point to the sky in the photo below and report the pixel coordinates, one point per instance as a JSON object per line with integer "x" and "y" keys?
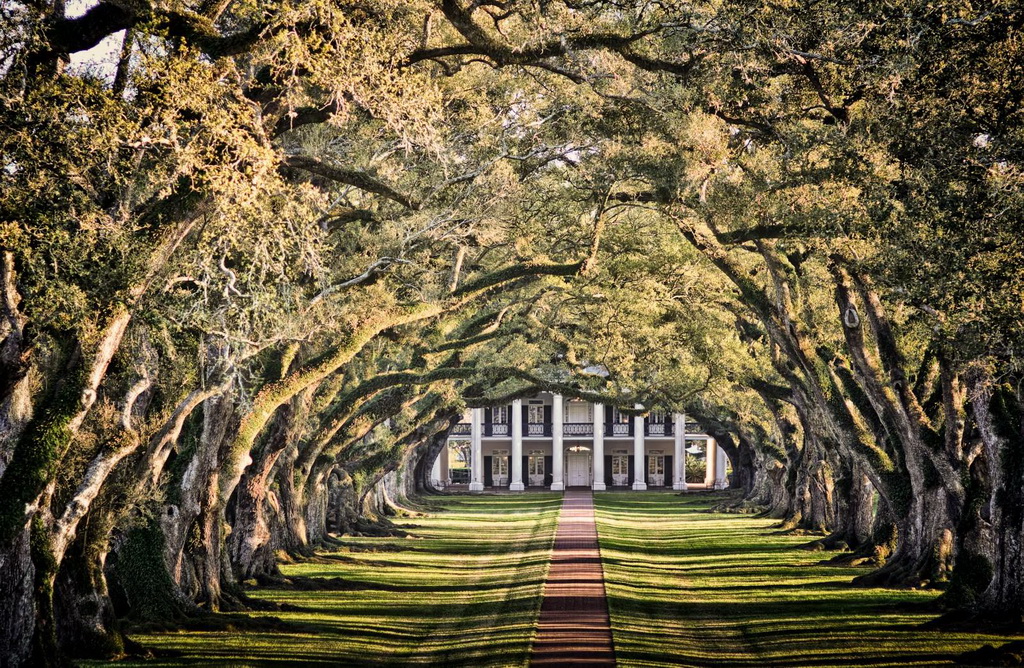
{"x": 102, "y": 58}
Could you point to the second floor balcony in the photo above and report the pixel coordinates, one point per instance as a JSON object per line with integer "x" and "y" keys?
{"x": 572, "y": 429}
{"x": 578, "y": 429}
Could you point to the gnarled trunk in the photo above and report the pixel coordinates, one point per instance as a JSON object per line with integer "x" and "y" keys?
{"x": 925, "y": 548}
{"x": 86, "y": 623}
{"x": 252, "y": 542}
{"x": 18, "y": 621}
{"x": 294, "y": 533}
{"x": 999, "y": 413}
{"x": 813, "y": 496}
{"x": 197, "y": 574}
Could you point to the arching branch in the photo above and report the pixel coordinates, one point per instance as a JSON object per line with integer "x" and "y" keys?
{"x": 353, "y": 177}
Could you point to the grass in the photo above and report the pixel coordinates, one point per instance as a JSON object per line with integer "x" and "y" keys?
{"x": 687, "y": 587}
{"x": 464, "y": 588}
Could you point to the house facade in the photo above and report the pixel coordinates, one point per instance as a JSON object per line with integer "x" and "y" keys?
{"x": 551, "y": 442}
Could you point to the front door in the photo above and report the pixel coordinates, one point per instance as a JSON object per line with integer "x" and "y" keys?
{"x": 499, "y": 470}
{"x": 536, "y": 469}
{"x": 656, "y": 471}
{"x": 620, "y": 470}
{"x": 578, "y": 466}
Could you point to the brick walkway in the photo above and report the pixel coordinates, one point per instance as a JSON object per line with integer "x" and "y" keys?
{"x": 574, "y": 627}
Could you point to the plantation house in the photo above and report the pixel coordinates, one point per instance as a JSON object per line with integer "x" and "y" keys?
{"x": 550, "y": 442}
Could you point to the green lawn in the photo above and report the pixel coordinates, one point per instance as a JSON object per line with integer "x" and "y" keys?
{"x": 463, "y": 588}
{"x": 686, "y": 587}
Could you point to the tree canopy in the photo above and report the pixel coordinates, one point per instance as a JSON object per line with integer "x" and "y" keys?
{"x": 258, "y": 258}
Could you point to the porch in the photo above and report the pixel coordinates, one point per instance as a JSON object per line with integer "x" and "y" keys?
{"x": 550, "y": 446}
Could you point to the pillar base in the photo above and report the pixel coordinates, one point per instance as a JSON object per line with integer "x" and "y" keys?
{"x": 557, "y": 487}
{"x": 639, "y": 486}
{"x": 476, "y": 487}
{"x": 721, "y": 484}
{"x": 679, "y": 486}
{"x": 516, "y": 487}
{"x": 598, "y": 487}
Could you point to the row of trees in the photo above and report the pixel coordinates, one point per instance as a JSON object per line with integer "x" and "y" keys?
{"x": 258, "y": 258}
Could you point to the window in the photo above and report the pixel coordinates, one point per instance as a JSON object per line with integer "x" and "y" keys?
{"x": 499, "y": 414}
{"x": 620, "y": 465}
{"x": 499, "y": 464}
{"x": 579, "y": 412}
{"x": 657, "y": 417}
{"x": 536, "y": 465}
{"x": 656, "y": 465}
{"x": 620, "y": 417}
{"x": 535, "y": 414}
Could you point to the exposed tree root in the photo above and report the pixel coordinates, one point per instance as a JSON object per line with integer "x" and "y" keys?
{"x": 231, "y": 622}
{"x": 1010, "y": 654}
{"x": 331, "y": 541}
{"x": 299, "y": 583}
{"x": 381, "y": 528}
{"x": 743, "y": 507}
{"x": 962, "y": 620}
{"x": 902, "y": 574}
{"x": 831, "y": 543}
{"x": 237, "y": 600}
{"x": 799, "y": 531}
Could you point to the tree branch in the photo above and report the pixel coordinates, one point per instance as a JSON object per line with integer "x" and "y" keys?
{"x": 356, "y": 178}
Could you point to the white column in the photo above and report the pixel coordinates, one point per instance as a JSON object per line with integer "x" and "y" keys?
{"x": 679, "y": 467}
{"x": 517, "y": 447}
{"x": 557, "y": 453}
{"x": 598, "y": 483}
{"x": 639, "y": 470}
{"x": 435, "y": 470}
{"x": 476, "y": 456}
{"x": 710, "y": 459}
{"x": 721, "y": 479}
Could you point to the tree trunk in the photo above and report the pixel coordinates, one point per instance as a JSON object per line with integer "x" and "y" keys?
{"x": 854, "y": 515}
{"x": 18, "y": 621}
{"x": 294, "y": 509}
{"x": 813, "y": 496}
{"x": 86, "y": 623}
{"x": 15, "y": 367}
{"x": 251, "y": 549}
{"x": 317, "y": 515}
{"x": 341, "y": 504}
{"x": 424, "y": 461}
{"x": 924, "y": 554}
{"x": 999, "y": 413}
{"x": 198, "y": 501}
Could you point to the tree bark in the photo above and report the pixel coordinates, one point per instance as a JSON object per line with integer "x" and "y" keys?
{"x": 17, "y": 624}
{"x": 15, "y": 355}
{"x": 250, "y": 545}
{"x": 999, "y": 412}
{"x": 198, "y": 500}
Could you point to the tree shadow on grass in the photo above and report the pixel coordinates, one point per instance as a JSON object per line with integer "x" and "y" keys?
{"x": 300, "y": 583}
{"x": 692, "y": 589}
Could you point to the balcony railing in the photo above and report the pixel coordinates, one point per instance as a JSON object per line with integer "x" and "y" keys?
{"x": 540, "y": 429}
{"x": 617, "y": 429}
{"x": 578, "y": 429}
